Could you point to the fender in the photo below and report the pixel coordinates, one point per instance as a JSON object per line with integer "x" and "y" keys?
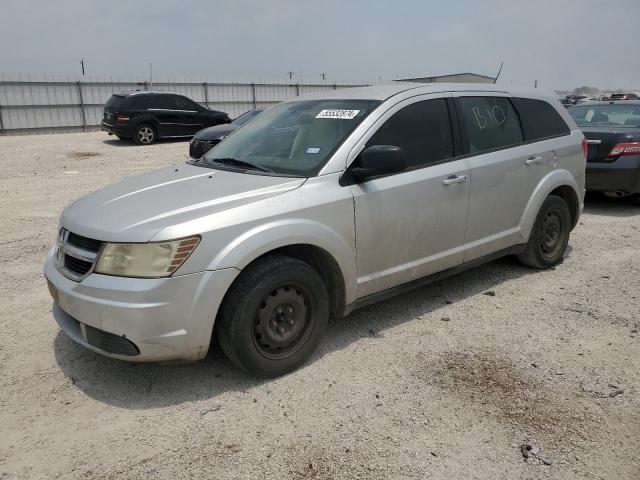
{"x": 264, "y": 238}
{"x": 551, "y": 181}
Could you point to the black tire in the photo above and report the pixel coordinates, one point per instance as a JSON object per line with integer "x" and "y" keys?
{"x": 273, "y": 316}
{"x": 549, "y": 236}
{"x": 145, "y": 134}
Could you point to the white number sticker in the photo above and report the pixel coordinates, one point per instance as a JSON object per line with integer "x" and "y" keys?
{"x": 339, "y": 114}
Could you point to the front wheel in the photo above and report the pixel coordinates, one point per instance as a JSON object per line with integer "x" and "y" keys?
{"x": 274, "y": 315}
{"x": 549, "y": 236}
{"x": 144, "y": 134}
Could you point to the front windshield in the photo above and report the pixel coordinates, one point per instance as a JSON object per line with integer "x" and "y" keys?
{"x": 245, "y": 117}
{"x": 617, "y": 115}
{"x": 294, "y": 138}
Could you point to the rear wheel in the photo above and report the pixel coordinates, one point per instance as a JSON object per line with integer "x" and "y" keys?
{"x": 550, "y": 235}
{"x": 273, "y": 317}
{"x": 144, "y": 134}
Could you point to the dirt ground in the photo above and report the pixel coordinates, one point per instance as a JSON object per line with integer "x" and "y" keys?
{"x": 444, "y": 382}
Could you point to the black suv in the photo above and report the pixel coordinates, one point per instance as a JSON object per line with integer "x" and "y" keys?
{"x": 147, "y": 116}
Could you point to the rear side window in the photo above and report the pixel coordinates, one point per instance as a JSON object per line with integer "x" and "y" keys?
{"x": 422, "y": 130}
{"x": 490, "y": 123}
{"x": 539, "y": 119}
{"x": 163, "y": 102}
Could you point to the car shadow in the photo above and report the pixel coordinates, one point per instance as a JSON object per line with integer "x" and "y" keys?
{"x": 149, "y": 385}
{"x": 596, "y": 203}
{"x": 116, "y": 142}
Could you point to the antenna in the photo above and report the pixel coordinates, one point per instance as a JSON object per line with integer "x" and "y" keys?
{"x": 499, "y": 70}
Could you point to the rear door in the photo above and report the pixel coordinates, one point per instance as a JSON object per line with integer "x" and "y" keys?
{"x": 504, "y": 171}
{"x": 412, "y": 223}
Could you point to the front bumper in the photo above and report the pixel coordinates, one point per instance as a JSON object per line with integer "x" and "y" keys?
{"x": 621, "y": 175}
{"x": 164, "y": 319}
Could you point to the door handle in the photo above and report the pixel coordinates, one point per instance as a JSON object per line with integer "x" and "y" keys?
{"x": 534, "y": 160}
{"x": 450, "y": 180}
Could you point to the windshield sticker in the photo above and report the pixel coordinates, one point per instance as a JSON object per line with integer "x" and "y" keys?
{"x": 313, "y": 150}
{"x": 339, "y": 114}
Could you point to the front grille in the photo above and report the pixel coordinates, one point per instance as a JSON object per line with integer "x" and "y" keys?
{"x": 109, "y": 342}
{"x": 199, "y": 147}
{"x": 75, "y": 265}
{"x": 84, "y": 242}
{"x": 76, "y": 255}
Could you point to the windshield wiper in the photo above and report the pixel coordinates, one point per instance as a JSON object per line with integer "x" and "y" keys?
{"x": 239, "y": 163}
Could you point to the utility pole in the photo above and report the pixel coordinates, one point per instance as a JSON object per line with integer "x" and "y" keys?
{"x": 535, "y": 84}
{"x": 324, "y": 76}
{"x": 290, "y": 75}
{"x": 82, "y": 65}
{"x": 150, "y": 74}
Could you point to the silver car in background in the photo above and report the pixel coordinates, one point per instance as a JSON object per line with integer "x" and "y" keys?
{"x": 318, "y": 206}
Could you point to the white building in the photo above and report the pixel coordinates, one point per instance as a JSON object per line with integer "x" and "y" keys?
{"x": 452, "y": 78}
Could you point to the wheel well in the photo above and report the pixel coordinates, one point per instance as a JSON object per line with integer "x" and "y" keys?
{"x": 325, "y": 264}
{"x": 569, "y": 195}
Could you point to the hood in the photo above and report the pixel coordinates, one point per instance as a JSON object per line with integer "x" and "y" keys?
{"x": 212, "y": 133}
{"x": 137, "y": 208}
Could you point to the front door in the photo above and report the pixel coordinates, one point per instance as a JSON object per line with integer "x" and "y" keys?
{"x": 411, "y": 224}
{"x": 170, "y": 119}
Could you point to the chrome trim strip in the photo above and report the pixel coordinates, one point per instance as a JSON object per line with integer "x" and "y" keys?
{"x": 83, "y": 331}
{"x": 170, "y": 110}
{"x": 80, "y": 253}
{"x": 594, "y": 142}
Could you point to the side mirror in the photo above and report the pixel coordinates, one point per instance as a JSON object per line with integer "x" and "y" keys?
{"x": 380, "y": 160}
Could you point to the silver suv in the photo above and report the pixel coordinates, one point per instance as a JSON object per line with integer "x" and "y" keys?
{"x": 318, "y": 206}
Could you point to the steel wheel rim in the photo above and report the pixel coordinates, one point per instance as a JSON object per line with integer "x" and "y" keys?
{"x": 145, "y": 135}
{"x": 551, "y": 233}
{"x": 283, "y": 321}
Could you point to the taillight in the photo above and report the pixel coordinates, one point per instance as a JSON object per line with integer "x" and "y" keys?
{"x": 585, "y": 147}
{"x": 626, "y": 148}
{"x": 121, "y": 118}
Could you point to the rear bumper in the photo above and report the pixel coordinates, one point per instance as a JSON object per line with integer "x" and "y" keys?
{"x": 116, "y": 129}
{"x": 137, "y": 319}
{"x": 621, "y": 175}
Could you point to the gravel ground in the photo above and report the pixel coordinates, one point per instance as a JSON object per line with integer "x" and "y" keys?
{"x": 444, "y": 382}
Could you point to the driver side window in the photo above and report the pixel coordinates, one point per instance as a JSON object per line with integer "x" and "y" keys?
{"x": 422, "y": 130}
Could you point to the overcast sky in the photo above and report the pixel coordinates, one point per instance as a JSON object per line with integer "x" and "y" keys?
{"x": 561, "y": 43}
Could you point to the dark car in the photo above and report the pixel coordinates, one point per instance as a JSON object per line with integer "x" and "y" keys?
{"x": 624, "y": 96}
{"x": 612, "y": 130}
{"x": 147, "y": 116}
{"x": 206, "y": 139}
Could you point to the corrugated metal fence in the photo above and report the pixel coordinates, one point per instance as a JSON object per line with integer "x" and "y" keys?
{"x": 45, "y": 103}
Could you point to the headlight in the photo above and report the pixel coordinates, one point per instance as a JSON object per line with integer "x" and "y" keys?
{"x": 150, "y": 260}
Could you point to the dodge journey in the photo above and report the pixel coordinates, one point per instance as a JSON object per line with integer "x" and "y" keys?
{"x": 319, "y": 205}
